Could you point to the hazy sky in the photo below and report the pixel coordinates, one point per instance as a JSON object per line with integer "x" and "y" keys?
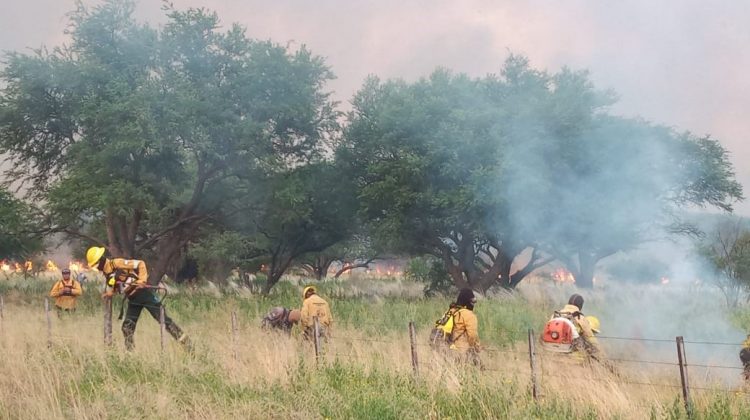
{"x": 683, "y": 63}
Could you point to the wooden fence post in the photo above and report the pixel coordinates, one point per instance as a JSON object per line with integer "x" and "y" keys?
{"x": 316, "y": 338}
{"x": 532, "y": 361}
{"x": 108, "y": 321}
{"x": 684, "y": 376}
{"x": 413, "y": 341}
{"x": 234, "y": 334}
{"x": 2, "y": 309}
{"x": 49, "y": 323}
{"x": 162, "y": 327}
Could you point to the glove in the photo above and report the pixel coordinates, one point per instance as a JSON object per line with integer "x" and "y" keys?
{"x": 108, "y": 294}
{"x": 67, "y": 291}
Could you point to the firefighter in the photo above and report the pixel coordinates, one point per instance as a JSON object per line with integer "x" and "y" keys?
{"x": 586, "y": 341}
{"x": 280, "y": 318}
{"x": 745, "y": 358}
{"x": 314, "y": 306}
{"x": 66, "y": 292}
{"x": 465, "y": 336}
{"x": 130, "y": 277}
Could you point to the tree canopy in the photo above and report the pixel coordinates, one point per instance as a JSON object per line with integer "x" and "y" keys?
{"x": 193, "y": 140}
{"x": 518, "y": 169}
{"x": 137, "y": 138}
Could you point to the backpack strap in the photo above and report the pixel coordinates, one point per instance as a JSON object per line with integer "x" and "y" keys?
{"x": 453, "y": 339}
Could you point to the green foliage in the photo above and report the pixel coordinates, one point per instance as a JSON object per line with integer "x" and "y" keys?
{"x": 727, "y": 251}
{"x": 17, "y": 226}
{"x": 432, "y": 274}
{"x": 475, "y": 171}
{"x": 147, "y": 139}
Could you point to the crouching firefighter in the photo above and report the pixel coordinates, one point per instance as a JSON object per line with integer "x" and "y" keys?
{"x": 130, "y": 278}
{"x": 457, "y": 330}
{"x": 281, "y": 319}
{"x": 569, "y": 331}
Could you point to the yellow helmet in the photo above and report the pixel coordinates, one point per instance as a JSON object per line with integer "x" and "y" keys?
{"x": 307, "y": 289}
{"x": 94, "y": 254}
{"x": 594, "y": 323}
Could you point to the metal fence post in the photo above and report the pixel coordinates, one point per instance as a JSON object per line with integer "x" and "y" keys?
{"x": 49, "y": 322}
{"x": 684, "y": 375}
{"x": 316, "y": 338}
{"x": 162, "y": 327}
{"x": 532, "y": 362}
{"x": 108, "y": 321}
{"x": 413, "y": 341}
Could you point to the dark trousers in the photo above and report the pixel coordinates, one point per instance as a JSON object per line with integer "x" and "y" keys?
{"x": 145, "y": 298}
{"x": 61, "y": 310}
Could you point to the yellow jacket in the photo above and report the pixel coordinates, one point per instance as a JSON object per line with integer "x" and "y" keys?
{"x": 66, "y": 301}
{"x": 465, "y": 334}
{"x": 583, "y": 327}
{"x": 315, "y": 306}
{"x": 122, "y": 270}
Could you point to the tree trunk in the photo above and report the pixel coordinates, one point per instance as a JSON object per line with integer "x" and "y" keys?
{"x": 167, "y": 251}
{"x": 278, "y": 266}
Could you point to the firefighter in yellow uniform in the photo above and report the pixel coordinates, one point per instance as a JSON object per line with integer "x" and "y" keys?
{"x": 65, "y": 292}
{"x": 586, "y": 343}
{"x": 465, "y": 335}
{"x": 314, "y": 306}
{"x": 130, "y": 277}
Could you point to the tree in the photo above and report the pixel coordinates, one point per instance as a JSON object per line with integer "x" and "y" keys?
{"x": 727, "y": 249}
{"x": 617, "y": 183}
{"x": 138, "y": 138}
{"x": 482, "y": 172}
{"x": 423, "y": 156}
{"x": 303, "y": 211}
{"x": 355, "y": 252}
{"x": 18, "y": 239}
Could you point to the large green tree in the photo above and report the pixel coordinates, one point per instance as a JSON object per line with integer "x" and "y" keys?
{"x": 499, "y": 175}
{"x": 424, "y": 155}
{"x": 139, "y": 138}
{"x": 302, "y": 211}
{"x": 586, "y": 184}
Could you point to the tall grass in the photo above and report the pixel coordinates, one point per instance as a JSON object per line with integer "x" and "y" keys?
{"x": 365, "y": 371}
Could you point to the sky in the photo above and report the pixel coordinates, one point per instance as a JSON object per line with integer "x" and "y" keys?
{"x": 682, "y": 63}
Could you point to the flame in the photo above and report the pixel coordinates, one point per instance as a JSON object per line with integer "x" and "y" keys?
{"x": 5, "y": 266}
{"x": 562, "y": 275}
{"x": 50, "y": 266}
{"x": 77, "y": 266}
{"x": 18, "y": 268}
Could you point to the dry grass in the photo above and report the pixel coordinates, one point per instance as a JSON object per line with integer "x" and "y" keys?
{"x": 362, "y": 374}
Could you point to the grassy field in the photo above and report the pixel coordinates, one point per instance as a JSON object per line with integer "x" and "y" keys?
{"x": 365, "y": 372}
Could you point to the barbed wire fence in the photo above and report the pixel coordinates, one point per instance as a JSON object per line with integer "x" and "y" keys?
{"x": 536, "y": 359}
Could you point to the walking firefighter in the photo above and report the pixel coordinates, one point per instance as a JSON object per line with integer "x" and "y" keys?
{"x": 130, "y": 278}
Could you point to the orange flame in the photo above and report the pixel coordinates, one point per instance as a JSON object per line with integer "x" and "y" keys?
{"x": 5, "y": 266}
{"x": 562, "y": 275}
{"x": 50, "y": 266}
